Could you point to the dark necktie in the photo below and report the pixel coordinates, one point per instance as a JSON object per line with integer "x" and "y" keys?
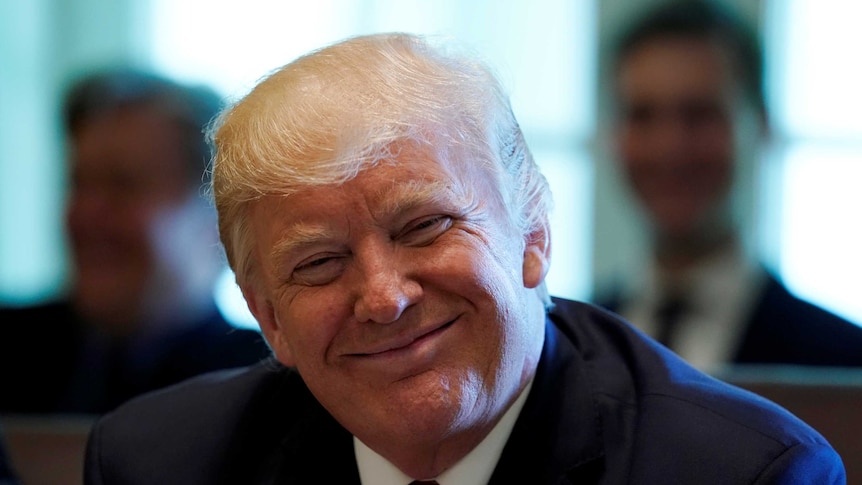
{"x": 668, "y": 316}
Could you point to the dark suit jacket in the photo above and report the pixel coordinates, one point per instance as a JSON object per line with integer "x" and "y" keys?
{"x": 47, "y": 365}
{"x": 607, "y": 406}
{"x": 8, "y": 474}
{"x": 784, "y": 329}
{"x": 781, "y": 328}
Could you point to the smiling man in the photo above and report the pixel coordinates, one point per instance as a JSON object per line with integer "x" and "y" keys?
{"x": 388, "y": 227}
{"x": 690, "y": 128}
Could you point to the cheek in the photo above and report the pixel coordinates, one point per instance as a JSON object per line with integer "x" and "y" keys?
{"x": 634, "y": 154}
{"x": 714, "y": 142}
{"x": 492, "y": 269}
{"x": 715, "y": 148}
{"x": 307, "y": 323}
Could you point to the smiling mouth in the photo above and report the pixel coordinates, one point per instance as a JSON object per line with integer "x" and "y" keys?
{"x": 404, "y": 345}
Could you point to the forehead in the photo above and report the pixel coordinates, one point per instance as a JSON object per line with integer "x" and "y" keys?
{"x": 669, "y": 66}
{"x": 132, "y": 138}
{"x": 398, "y": 167}
{"x": 378, "y": 196}
{"x": 411, "y": 176}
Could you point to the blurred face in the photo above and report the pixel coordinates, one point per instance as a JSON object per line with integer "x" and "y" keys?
{"x": 126, "y": 175}
{"x": 403, "y": 298}
{"x": 675, "y": 133}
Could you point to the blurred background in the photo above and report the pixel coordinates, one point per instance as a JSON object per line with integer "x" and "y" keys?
{"x": 802, "y": 205}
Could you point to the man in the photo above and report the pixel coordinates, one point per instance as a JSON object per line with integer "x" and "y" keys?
{"x": 388, "y": 227}
{"x": 691, "y": 117}
{"x": 144, "y": 251}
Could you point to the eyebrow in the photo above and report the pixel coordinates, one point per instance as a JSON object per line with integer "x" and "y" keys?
{"x": 301, "y": 235}
{"x": 405, "y": 196}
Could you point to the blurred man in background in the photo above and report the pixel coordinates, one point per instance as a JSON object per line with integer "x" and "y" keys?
{"x": 690, "y": 111}
{"x": 140, "y": 313}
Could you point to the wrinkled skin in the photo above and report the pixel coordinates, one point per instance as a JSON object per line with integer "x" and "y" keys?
{"x": 404, "y": 298}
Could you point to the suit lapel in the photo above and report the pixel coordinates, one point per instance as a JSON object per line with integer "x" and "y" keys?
{"x": 286, "y": 437}
{"x": 557, "y": 438}
{"x": 319, "y": 450}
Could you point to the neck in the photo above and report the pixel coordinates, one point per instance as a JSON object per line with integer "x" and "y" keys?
{"x": 674, "y": 256}
{"x": 476, "y": 461}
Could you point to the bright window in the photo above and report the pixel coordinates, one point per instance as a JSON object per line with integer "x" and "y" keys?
{"x": 815, "y": 78}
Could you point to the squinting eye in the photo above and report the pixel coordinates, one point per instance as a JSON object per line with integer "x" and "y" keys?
{"x": 313, "y": 263}
{"x": 318, "y": 270}
{"x": 425, "y": 231}
{"x": 427, "y": 223}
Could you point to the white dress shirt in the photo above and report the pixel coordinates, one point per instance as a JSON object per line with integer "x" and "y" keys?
{"x": 720, "y": 294}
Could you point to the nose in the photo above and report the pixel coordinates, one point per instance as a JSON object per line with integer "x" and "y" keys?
{"x": 385, "y": 290}
{"x": 89, "y": 209}
{"x": 670, "y": 133}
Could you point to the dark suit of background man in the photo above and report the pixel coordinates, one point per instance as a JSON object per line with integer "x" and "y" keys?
{"x": 690, "y": 118}
{"x": 8, "y": 473}
{"x": 143, "y": 242}
{"x": 388, "y": 227}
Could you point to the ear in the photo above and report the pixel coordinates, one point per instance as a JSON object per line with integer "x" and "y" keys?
{"x": 272, "y": 331}
{"x": 537, "y": 255}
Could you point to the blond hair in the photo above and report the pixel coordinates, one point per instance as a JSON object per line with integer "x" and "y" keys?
{"x": 336, "y": 111}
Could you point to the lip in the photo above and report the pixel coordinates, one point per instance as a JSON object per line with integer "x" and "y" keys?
{"x": 406, "y": 343}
